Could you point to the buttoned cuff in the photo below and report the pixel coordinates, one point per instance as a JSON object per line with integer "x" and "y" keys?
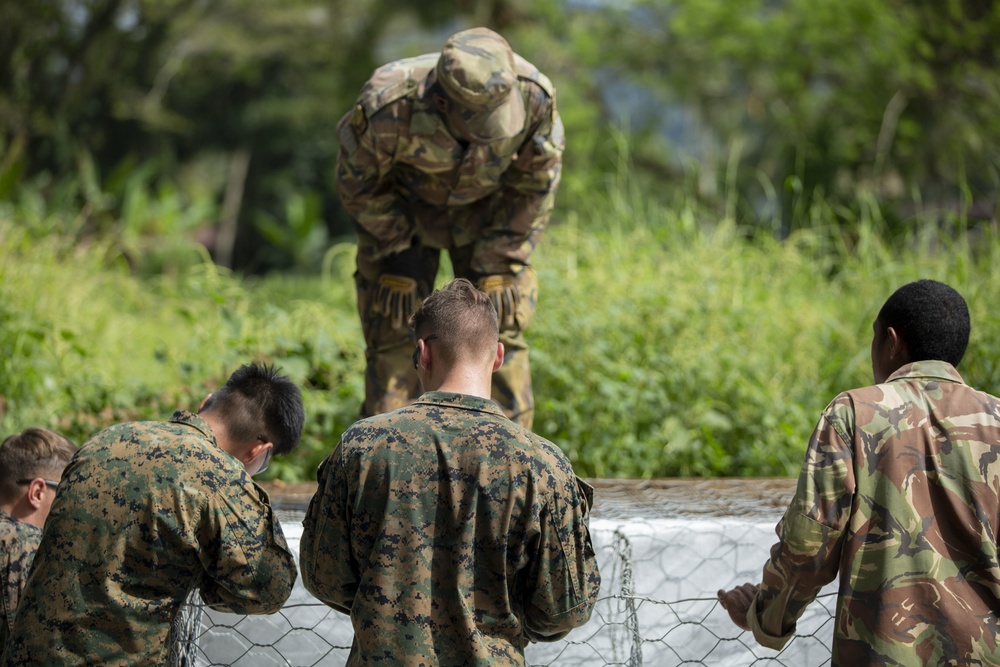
{"x": 776, "y": 642}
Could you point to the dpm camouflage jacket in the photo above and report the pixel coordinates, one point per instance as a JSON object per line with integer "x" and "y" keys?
{"x": 401, "y": 173}
{"x": 899, "y": 495}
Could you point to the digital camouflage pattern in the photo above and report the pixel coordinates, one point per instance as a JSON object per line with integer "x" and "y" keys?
{"x": 402, "y": 175}
{"x": 18, "y": 543}
{"x": 900, "y": 495}
{"x": 145, "y": 513}
{"x": 451, "y": 536}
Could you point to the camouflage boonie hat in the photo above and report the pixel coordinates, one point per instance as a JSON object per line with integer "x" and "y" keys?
{"x": 476, "y": 70}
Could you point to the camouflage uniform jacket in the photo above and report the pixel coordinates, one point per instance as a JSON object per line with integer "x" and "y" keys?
{"x": 18, "y": 543}
{"x": 899, "y": 495}
{"x": 144, "y": 513}
{"x": 451, "y": 535}
{"x": 401, "y": 173}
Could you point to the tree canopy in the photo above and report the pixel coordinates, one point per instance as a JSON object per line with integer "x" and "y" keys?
{"x": 759, "y": 108}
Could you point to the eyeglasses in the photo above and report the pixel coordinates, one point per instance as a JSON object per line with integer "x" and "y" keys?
{"x": 48, "y": 482}
{"x": 416, "y": 349}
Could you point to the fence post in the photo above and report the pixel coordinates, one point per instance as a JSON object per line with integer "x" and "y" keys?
{"x": 185, "y": 632}
{"x": 623, "y": 547}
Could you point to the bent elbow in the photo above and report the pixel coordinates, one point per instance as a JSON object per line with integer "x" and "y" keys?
{"x": 546, "y": 627}
{"x": 259, "y": 597}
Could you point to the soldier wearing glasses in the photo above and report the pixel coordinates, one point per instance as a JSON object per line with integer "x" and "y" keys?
{"x": 31, "y": 464}
{"x": 148, "y": 511}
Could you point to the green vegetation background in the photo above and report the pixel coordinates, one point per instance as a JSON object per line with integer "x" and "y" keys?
{"x": 708, "y": 281}
{"x": 661, "y": 347}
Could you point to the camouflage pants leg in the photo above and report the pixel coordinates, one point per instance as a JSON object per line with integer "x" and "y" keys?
{"x": 390, "y": 381}
{"x": 512, "y": 382}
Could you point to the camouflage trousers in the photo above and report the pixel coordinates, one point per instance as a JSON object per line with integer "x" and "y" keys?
{"x": 390, "y": 380}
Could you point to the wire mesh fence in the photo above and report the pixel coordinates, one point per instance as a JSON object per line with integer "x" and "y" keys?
{"x": 657, "y": 607}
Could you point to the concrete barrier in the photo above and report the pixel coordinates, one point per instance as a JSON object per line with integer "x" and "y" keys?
{"x": 664, "y": 547}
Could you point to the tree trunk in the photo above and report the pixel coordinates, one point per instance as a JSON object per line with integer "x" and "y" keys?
{"x": 239, "y": 164}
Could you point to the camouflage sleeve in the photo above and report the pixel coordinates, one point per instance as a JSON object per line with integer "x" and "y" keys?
{"x": 811, "y": 533}
{"x": 363, "y": 180}
{"x": 527, "y": 196}
{"x": 18, "y": 545}
{"x": 563, "y": 580}
{"x": 249, "y": 568}
{"x": 328, "y": 570}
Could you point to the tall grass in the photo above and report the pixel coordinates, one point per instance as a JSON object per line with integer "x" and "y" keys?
{"x": 84, "y": 343}
{"x": 663, "y": 345}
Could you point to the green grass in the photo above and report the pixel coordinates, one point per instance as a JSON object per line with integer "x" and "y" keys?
{"x": 662, "y": 345}
{"x": 662, "y": 350}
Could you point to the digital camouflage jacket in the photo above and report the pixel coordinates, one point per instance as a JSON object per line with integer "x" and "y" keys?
{"x": 899, "y": 495}
{"x": 18, "y": 543}
{"x": 451, "y": 535}
{"x": 144, "y": 513}
{"x": 401, "y": 173}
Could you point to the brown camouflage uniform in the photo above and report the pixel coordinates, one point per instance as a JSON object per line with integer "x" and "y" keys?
{"x": 144, "y": 513}
{"x": 451, "y": 535}
{"x": 18, "y": 543}
{"x": 899, "y": 496}
{"x": 402, "y": 175}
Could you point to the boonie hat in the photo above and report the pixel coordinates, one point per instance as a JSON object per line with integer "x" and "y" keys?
{"x": 476, "y": 71}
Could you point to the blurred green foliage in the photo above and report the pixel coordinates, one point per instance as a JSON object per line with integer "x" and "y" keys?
{"x": 664, "y": 344}
{"x": 761, "y": 108}
{"x": 744, "y": 184}
{"x": 818, "y": 99}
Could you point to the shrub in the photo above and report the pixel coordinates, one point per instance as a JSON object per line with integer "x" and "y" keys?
{"x": 663, "y": 345}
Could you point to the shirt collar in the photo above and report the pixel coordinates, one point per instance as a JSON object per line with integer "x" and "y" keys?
{"x": 199, "y": 424}
{"x": 460, "y": 401}
{"x": 425, "y": 120}
{"x": 928, "y": 370}
{"x": 190, "y": 419}
{"x": 19, "y": 525}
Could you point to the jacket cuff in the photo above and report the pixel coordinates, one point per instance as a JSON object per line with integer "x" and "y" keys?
{"x": 776, "y": 642}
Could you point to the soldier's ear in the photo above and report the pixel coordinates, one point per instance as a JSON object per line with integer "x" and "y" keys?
{"x": 897, "y": 345}
{"x": 36, "y": 492}
{"x": 498, "y": 360}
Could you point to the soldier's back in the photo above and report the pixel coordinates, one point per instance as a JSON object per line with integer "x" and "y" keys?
{"x": 120, "y": 548}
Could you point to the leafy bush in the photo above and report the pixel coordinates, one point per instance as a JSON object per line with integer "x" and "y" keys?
{"x": 661, "y": 349}
{"x": 84, "y": 343}
{"x": 663, "y": 345}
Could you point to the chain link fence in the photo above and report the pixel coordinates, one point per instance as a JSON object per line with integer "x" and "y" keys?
{"x": 657, "y": 607}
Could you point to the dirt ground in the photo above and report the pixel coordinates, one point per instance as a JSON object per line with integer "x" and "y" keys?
{"x": 621, "y": 498}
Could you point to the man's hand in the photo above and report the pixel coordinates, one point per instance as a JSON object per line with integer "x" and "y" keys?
{"x": 505, "y": 296}
{"x": 395, "y": 298}
{"x": 737, "y": 602}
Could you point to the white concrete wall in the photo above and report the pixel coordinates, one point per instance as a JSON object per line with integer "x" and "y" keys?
{"x": 657, "y": 606}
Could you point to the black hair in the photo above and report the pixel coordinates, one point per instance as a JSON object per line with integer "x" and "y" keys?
{"x": 932, "y": 318}
{"x": 258, "y": 402}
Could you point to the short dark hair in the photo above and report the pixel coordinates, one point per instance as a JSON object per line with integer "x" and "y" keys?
{"x": 34, "y": 452}
{"x": 258, "y": 402}
{"x": 932, "y": 318}
{"x": 461, "y": 316}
